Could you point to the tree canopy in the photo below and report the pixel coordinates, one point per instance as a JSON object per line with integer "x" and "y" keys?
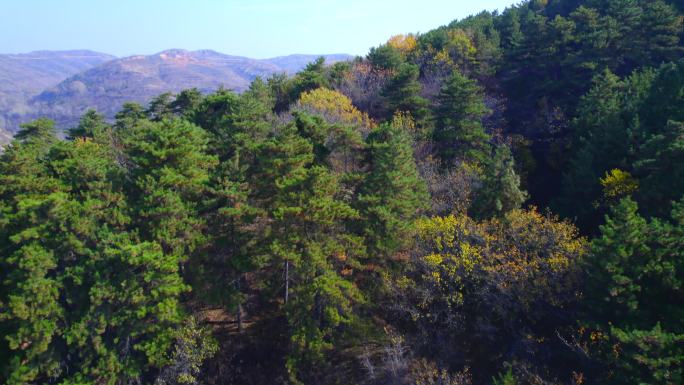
{"x": 499, "y": 200}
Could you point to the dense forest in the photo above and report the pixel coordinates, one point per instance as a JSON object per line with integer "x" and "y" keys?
{"x": 496, "y": 201}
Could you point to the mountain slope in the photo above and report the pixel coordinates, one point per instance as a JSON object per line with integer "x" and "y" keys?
{"x": 139, "y": 78}
{"x": 24, "y": 75}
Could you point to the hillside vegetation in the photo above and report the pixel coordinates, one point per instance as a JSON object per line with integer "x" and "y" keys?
{"x": 496, "y": 201}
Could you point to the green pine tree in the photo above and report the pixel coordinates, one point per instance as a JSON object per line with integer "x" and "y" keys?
{"x": 392, "y": 194}
{"x": 458, "y": 121}
{"x": 402, "y": 93}
{"x": 90, "y": 125}
{"x": 500, "y": 191}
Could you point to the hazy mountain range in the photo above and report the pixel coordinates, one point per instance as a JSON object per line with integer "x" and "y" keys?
{"x": 63, "y": 84}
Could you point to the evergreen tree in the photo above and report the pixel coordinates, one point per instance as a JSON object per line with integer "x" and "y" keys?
{"x": 458, "y": 128}
{"x": 169, "y": 173}
{"x": 634, "y": 296}
{"x": 312, "y": 241}
{"x": 39, "y": 131}
{"x": 385, "y": 57}
{"x": 392, "y": 194}
{"x": 602, "y": 143}
{"x": 661, "y": 28}
{"x": 233, "y": 122}
{"x": 260, "y": 91}
{"x": 402, "y": 93}
{"x": 90, "y": 125}
{"x": 619, "y": 257}
{"x": 84, "y": 301}
{"x": 237, "y": 133}
{"x": 500, "y": 191}
{"x": 308, "y": 246}
{"x": 664, "y": 100}
{"x": 129, "y": 115}
{"x": 661, "y": 169}
{"x": 161, "y": 107}
{"x": 30, "y": 314}
{"x": 186, "y": 102}
{"x": 312, "y": 77}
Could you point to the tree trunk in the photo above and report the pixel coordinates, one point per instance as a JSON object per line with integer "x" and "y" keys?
{"x": 239, "y": 307}
{"x": 287, "y": 280}
{"x": 239, "y": 317}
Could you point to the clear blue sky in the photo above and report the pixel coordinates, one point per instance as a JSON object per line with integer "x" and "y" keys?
{"x": 254, "y": 28}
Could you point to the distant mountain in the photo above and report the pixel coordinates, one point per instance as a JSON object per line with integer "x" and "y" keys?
{"x": 22, "y": 76}
{"x": 294, "y": 63}
{"x": 106, "y": 86}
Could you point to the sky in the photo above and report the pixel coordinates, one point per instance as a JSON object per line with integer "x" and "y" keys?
{"x": 253, "y": 28}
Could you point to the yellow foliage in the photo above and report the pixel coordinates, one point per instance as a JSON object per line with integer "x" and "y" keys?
{"x": 404, "y": 120}
{"x": 460, "y": 43}
{"x": 473, "y": 168}
{"x": 434, "y": 259}
{"x": 443, "y": 58}
{"x": 537, "y": 254}
{"x": 404, "y": 43}
{"x": 526, "y": 254}
{"x": 443, "y": 232}
{"x": 458, "y": 52}
{"x": 334, "y": 107}
{"x": 618, "y": 183}
{"x": 82, "y": 141}
{"x": 449, "y": 238}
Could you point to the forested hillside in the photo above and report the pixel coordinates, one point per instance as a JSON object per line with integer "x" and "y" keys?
{"x": 62, "y": 85}
{"x": 25, "y": 75}
{"x": 496, "y": 201}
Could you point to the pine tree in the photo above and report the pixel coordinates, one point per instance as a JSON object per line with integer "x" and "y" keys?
{"x": 169, "y": 173}
{"x": 233, "y": 122}
{"x": 161, "y": 107}
{"x": 231, "y": 214}
{"x": 312, "y": 77}
{"x": 129, "y": 115}
{"x": 90, "y": 125}
{"x": 458, "y": 128}
{"x": 602, "y": 143}
{"x": 392, "y": 194}
{"x": 312, "y": 241}
{"x": 661, "y": 169}
{"x": 260, "y": 91}
{"x": 634, "y": 296}
{"x": 307, "y": 247}
{"x": 660, "y": 26}
{"x": 38, "y": 131}
{"x": 402, "y": 93}
{"x": 30, "y": 313}
{"x": 385, "y": 57}
{"x": 186, "y": 102}
{"x": 84, "y": 300}
{"x": 618, "y": 259}
{"x": 500, "y": 191}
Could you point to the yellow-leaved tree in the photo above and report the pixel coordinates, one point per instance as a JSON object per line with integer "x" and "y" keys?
{"x": 334, "y": 107}
{"x": 481, "y": 293}
{"x": 405, "y": 44}
{"x": 336, "y": 127}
